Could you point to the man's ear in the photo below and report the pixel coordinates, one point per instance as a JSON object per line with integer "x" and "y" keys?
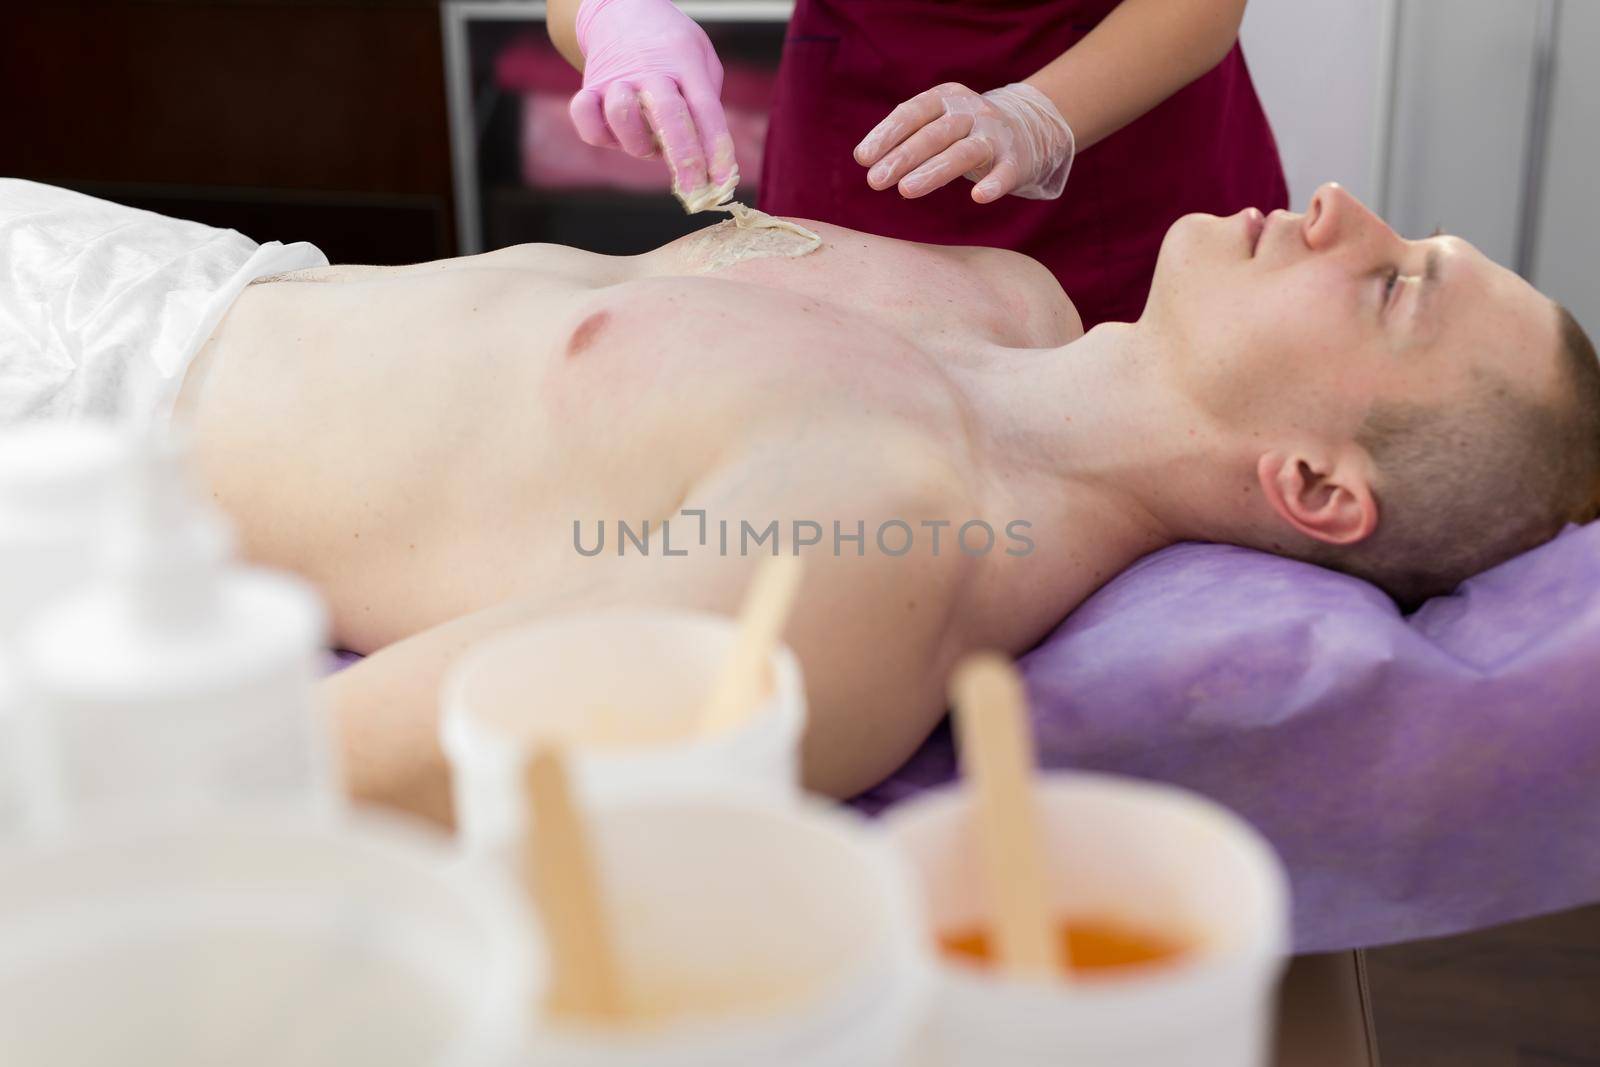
{"x": 1326, "y": 498}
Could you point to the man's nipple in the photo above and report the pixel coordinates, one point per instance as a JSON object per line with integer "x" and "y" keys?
{"x": 587, "y": 332}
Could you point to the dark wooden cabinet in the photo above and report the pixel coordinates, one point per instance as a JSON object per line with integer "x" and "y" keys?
{"x": 284, "y": 120}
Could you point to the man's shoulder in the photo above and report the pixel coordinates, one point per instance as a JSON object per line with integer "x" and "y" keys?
{"x": 847, "y": 469}
{"x": 1028, "y": 291}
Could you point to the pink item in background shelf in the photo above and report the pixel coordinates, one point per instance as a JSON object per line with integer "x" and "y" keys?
{"x": 554, "y": 157}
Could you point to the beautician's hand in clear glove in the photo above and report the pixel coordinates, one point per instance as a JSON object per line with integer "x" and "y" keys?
{"x": 1009, "y": 140}
{"x": 652, "y": 81}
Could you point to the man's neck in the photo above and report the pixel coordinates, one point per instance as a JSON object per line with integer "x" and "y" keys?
{"x": 1098, "y": 423}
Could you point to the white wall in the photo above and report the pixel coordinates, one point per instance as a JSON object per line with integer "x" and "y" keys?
{"x": 1460, "y": 125}
{"x": 1315, "y": 64}
{"x": 1566, "y": 262}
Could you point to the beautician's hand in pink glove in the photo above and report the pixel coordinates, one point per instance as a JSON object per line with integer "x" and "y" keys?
{"x": 1009, "y": 140}
{"x": 650, "y": 73}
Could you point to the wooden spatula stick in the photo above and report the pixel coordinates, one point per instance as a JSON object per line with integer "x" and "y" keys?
{"x": 997, "y": 760}
{"x": 558, "y": 868}
{"x": 767, "y": 605}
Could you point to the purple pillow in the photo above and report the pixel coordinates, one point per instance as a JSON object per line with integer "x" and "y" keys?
{"x": 1420, "y": 775}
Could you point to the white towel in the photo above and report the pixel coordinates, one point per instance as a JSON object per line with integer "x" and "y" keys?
{"x": 103, "y": 306}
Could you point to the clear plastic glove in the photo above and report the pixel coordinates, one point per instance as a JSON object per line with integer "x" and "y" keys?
{"x": 1009, "y": 140}
{"x": 652, "y": 83}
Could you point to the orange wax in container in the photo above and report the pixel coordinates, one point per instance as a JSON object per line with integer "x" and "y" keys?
{"x": 1092, "y": 946}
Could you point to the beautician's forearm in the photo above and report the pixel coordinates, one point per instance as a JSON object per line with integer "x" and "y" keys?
{"x": 561, "y": 21}
{"x": 1142, "y": 53}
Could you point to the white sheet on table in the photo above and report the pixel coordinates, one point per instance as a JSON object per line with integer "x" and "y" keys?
{"x": 102, "y": 306}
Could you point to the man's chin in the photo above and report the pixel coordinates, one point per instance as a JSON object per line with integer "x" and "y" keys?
{"x": 1189, "y": 243}
{"x": 1196, "y": 254}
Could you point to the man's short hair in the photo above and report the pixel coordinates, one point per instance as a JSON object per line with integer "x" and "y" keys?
{"x": 1465, "y": 485}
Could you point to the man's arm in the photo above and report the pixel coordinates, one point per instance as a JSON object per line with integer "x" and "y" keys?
{"x": 875, "y": 633}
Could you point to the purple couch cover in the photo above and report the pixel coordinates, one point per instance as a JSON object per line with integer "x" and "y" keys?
{"x": 1420, "y": 775}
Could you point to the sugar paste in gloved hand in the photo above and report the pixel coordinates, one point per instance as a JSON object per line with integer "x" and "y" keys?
{"x": 652, "y": 84}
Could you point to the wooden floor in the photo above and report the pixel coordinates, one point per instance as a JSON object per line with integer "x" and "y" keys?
{"x": 1522, "y": 995}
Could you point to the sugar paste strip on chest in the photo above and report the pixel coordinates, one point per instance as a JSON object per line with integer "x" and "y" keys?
{"x": 749, "y": 234}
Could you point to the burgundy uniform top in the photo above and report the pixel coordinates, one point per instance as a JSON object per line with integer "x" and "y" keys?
{"x": 847, "y": 63}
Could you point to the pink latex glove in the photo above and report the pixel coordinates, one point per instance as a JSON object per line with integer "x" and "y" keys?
{"x": 652, "y": 81}
{"x": 1009, "y": 140}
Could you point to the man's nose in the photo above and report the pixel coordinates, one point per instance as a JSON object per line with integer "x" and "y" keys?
{"x": 1334, "y": 215}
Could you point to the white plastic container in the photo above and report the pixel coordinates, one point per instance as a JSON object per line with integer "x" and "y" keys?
{"x": 55, "y": 480}
{"x": 1149, "y": 856}
{"x": 175, "y": 680}
{"x": 256, "y": 942}
{"x": 751, "y": 932}
{"x": 620, "y": 691}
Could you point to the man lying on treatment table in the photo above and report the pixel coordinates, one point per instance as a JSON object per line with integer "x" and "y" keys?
{"x": 441, "y": 447}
